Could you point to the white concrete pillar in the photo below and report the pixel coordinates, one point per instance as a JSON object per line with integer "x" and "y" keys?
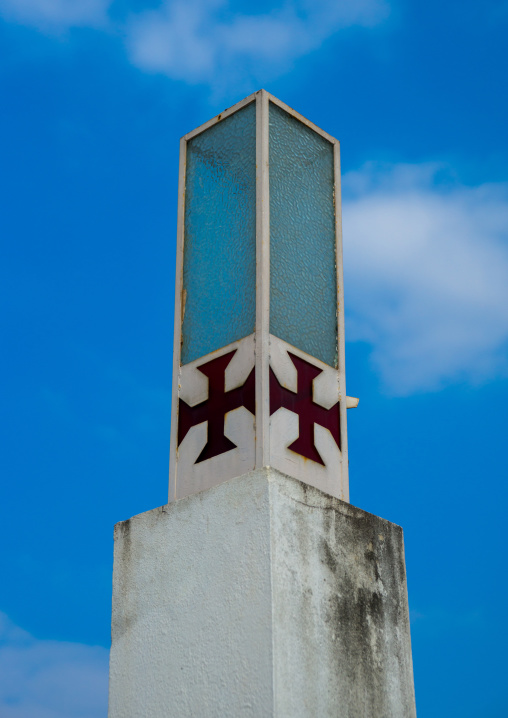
{"x": 261, "y": 597}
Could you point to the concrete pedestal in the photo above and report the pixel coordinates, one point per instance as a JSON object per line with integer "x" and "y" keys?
{"x": 261, "y": 597}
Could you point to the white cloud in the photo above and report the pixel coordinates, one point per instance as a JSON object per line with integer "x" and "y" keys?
{"x": 50, "y": 679}
{"x": 207, "y": 41}
{"x": 426, "y": 262}
{"x": 200, "y": 40}
{"x": 56, "y": 15}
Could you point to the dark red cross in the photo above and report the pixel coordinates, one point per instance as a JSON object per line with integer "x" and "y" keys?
{"x": 214, "y": 409}
{"x": 309, "y": 413}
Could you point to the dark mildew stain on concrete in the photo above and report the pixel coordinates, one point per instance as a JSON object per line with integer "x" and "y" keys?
{"x": 357, "y": 620}
{"x": 122, "y": 620}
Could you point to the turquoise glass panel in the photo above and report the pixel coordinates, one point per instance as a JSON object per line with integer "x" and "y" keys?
{"x": 303, "y": 284}
{"x": 219, "y": 266}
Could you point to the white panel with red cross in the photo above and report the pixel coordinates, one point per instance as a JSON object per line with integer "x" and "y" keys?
{"x": 216, "y": 407}
{"x": 305, "y": 418}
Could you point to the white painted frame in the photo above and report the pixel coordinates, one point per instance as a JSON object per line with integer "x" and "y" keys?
{"x": 262, "y": 327}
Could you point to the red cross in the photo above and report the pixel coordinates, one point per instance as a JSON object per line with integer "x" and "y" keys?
{"x": 214, "y": 409}
{"x": 309, "y": 413}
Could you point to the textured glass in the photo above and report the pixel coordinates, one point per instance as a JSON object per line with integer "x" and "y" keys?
{"x": 219, "y": 266}
{"x": 303, "y": 284}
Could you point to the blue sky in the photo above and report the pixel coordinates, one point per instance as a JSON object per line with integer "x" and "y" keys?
{"x": 95, "y": 95}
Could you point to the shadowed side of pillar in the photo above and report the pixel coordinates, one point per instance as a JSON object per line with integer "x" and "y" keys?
{"x": 342, "y": 643}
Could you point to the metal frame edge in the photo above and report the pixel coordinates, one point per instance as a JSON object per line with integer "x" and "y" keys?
{"x": 262, "y": 282}
{"x": 341, "y": 351}
{"x": 179, "y": 305}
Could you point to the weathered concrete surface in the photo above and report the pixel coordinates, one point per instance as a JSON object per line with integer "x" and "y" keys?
{"x": 340, "y": 616}
{"x": 262, "y": 597}
{"x": 192, "y": 618}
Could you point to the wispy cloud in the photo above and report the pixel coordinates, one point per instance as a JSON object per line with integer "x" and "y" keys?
{"x": 200, "y": 40}
{"x": 207, "y": 41}
{"x": 50, "y": 679}
{"x": 56, "y": 15}
{"x": 427, "y": 275}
